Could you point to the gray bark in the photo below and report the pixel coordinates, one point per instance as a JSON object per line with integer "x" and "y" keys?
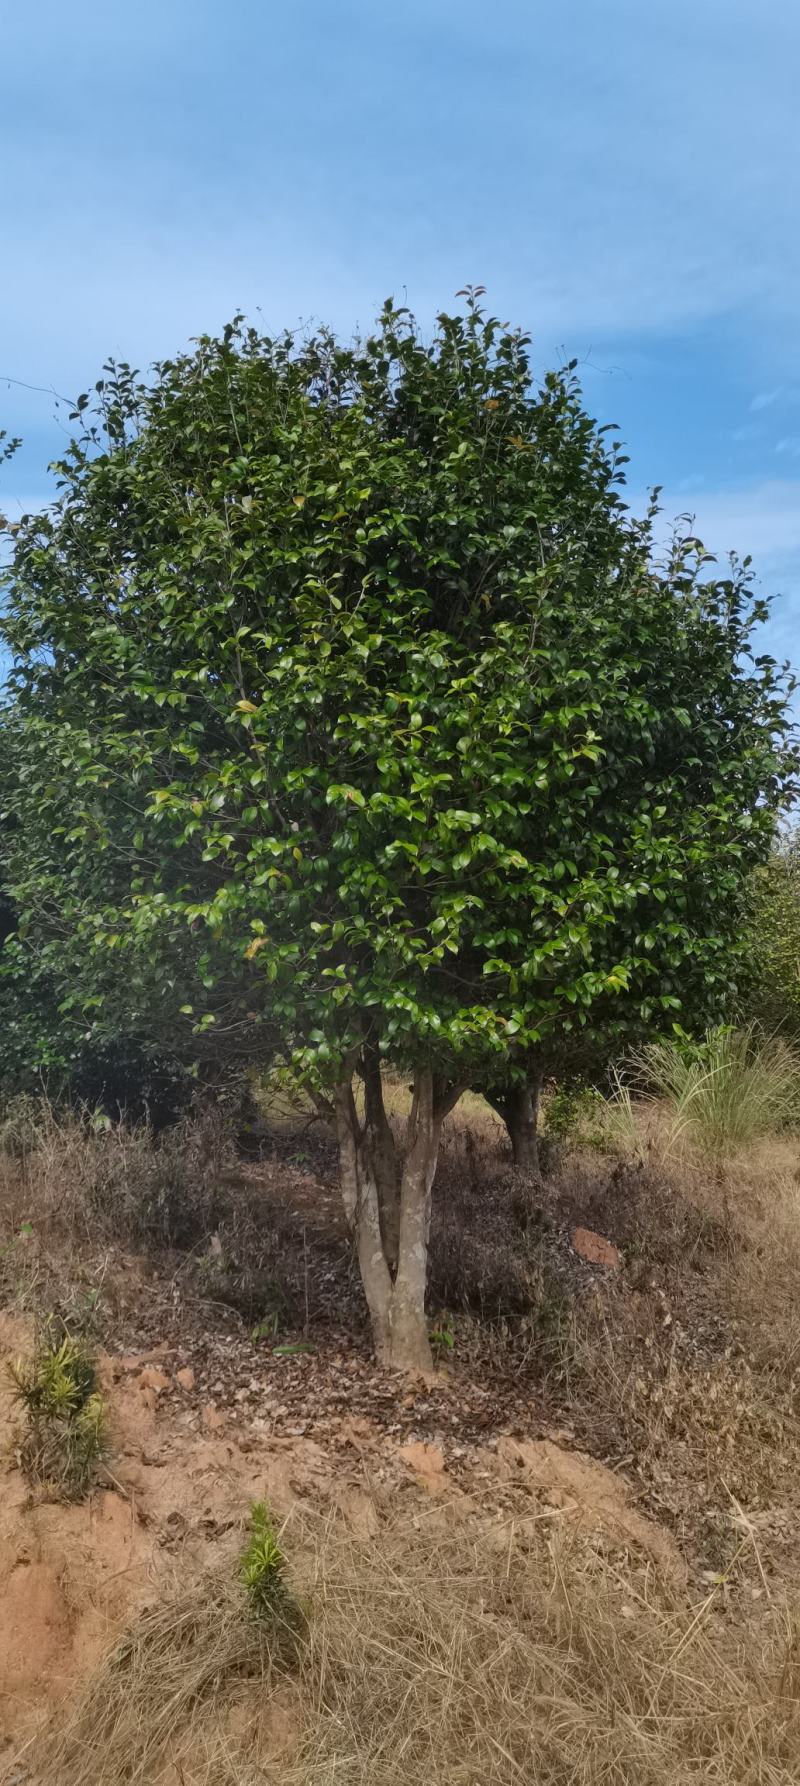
{"x": 394, "y": 1263}
{"x": 409, "y": 1329}
{"x": 386, "y": 1165}
{"x": 360, "y": 1198}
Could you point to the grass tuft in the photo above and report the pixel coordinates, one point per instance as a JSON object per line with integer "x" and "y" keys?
{"x": 737, "y": 1087}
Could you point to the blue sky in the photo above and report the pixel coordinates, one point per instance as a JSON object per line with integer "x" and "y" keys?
{"x": 623, "y": 177}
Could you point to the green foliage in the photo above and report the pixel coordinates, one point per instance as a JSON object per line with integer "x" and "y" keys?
{"x": 57, "y": 1388}
{"x": 443, "y": 1335}
{"x": 262, "y": 1563}
{"x": 774, "y": 993}
{"x": 731, "y": 1089}
{"x": 573, "y": 1113}
{"x": 347, "y": 694}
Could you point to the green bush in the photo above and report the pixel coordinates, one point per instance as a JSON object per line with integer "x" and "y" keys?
{"x": 574, "y": 1114}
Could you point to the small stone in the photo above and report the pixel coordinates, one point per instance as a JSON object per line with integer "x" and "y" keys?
{"x": 595, "y": 1248}
{"x": 185, "y": 1378}
{"x": 135, "y": 1360}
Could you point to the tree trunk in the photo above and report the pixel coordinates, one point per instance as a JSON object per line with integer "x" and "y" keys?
{"x": 411, "y": 1348}
{"x": 394, "y": 1280}
{"x": 522, "y": 1122}
{"x": 385, "y": 1162}
{"x": 518, "y": 1105}
{"x": 360, "y": 1198}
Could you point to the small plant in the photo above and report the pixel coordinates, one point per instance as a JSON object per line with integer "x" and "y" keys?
{"x": 23, "y": 1234}
{"x": 262, "y": 1563}
{"x": 443, "y": 1335}
{"x": 574, "y": 1115}
{"x": 57, "y": 1389}
{"x": 267, "y": 1328}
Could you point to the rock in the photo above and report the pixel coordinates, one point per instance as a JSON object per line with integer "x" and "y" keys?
{"x": 213, "y": 1421}
{"x": 154, "y": 1379}
{"x": 185, "y": 1378}
{"x": 593, "y": 1247}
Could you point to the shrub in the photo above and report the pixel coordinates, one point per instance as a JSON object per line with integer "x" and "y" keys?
{"x": 57, "y": 1388}
{"x": 732, "y": 1089}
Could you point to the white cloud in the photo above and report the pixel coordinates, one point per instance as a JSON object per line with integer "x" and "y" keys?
{"x": 762, "y": 519}
{"x": 765, "y": 399}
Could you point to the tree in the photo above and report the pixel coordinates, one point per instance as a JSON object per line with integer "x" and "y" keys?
{"x": 773, "y": 933}
{"x": 345, "y": 680}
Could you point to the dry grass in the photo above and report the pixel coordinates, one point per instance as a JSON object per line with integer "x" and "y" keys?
{"x": 478, "y": 1652}
{"x": 109, "y": 1178}
{"x": 160, "y": 1708}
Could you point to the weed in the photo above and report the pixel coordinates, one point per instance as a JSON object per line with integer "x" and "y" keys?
{"x": 23, "y": 1234}
{"x": 262, "y": 1563}
{"x": 443, "y": 1334}
{"x": 57, "y": 1389}
{"x": 266, "y": 1329}
{"x": 574, "y": 1114}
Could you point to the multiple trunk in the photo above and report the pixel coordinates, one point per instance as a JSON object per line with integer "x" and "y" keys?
{"x": 386, "y": 1190}
{"x": 387, "y": 1185}
{"x": 518, "y": 1105}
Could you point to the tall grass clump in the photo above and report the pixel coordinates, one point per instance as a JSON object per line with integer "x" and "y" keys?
{"x": 735, "y": 1087}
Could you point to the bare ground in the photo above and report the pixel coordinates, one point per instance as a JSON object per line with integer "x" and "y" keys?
{"x": 625, "y": 1422}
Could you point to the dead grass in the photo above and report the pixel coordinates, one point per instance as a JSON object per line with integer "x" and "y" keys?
{"x": 160, "y": 1706}
{"x": 111, "y": 1179}
{"x": 449, "y": 1652}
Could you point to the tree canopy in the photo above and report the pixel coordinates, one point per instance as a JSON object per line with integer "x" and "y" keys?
{"x": 349, "y": 695}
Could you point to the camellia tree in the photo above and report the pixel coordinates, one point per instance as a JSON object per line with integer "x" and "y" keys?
{"x": 344, "y": 678}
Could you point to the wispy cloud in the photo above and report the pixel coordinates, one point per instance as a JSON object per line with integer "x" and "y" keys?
{"x": 765, "y": 399}
{"x": 762, "y": 520}
{"x": 593, "y": 174}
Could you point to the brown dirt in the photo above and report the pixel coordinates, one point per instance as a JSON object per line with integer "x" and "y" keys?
{"x": 176, "y": 1497}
